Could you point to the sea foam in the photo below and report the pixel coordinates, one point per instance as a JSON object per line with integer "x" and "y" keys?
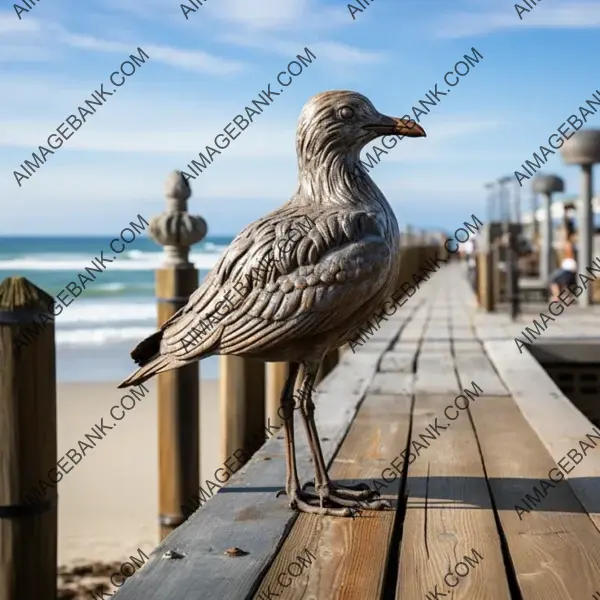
{"x": 131, "y": 261}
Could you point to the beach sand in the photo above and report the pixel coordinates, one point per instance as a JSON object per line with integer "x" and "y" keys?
{"x": 108, "y": 503}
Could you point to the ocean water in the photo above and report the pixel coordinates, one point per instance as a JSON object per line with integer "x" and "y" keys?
{"x": 96, "y": 332}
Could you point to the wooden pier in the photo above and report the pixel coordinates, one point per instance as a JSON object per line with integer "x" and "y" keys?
{"x": 497, "y": 498}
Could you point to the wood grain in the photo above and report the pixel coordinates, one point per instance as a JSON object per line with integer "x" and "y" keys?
{"x": 352, "y": 553}
{"x": 554, "y": 548}
{"x": 462, "y": 489}
{"x": 28, "y": 540}
{"x": 449, "y": 512}
{"x": 558, "y": 423}
{"x": 245, "y": 513}
{"x": 277, "y": 373}
{"x": 178, "y": 411}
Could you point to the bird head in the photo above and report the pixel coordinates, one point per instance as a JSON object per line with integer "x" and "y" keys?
{"x": 346, "y": 121}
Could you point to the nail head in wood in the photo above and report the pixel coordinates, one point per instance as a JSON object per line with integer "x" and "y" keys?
{"x": 235, "y": 552}
{"x": 173, "y": 555}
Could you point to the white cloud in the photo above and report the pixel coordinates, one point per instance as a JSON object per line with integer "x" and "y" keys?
{"x": 276, "y": 14}
{"x": 25, "y": 53}
{"x": 343, "y": 53}
{"x": 571, "y": 15}
{"x": 259, "y": 166}
{"x": 10, "y": 23}
{"x": 443, "y": 143}
{"x": 184, "y": 59}
{"x": 118, "y": 137}
{"x": 264, "y": 14}
{"x": 36, "y": 41}
{"x": 185, "y": 128}
{"x": 331, "y": 51}
{"x": 148, "y": 9}
{"x": 194, "y": 60}
{"x": 444, "y": 183}
{"x": 259, "y": 15}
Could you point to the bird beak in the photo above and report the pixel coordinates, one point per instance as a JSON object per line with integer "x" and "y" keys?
{"x": 394, "y": 126}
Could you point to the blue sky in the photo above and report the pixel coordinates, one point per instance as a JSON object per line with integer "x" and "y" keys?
{"x": 204, "y": 70}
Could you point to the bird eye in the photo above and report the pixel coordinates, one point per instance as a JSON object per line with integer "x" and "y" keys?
{"x": 346, "y": 112}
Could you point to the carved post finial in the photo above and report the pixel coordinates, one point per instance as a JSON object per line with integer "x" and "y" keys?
{"x": 176, "y": 229}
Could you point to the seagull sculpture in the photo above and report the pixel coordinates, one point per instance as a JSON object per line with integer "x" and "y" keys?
{"x": 296, "y": 297}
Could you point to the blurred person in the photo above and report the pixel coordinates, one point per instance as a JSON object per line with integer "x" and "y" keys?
{"x": 469, "y": 249}
{"x": 566, "y": 274}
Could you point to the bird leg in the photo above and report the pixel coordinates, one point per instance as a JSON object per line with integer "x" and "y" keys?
{"x": 299, "y": 499}
{"x": 350, "y": 496}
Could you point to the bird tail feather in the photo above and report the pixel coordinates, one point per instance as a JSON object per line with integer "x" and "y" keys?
{"x": 160, "y": 364}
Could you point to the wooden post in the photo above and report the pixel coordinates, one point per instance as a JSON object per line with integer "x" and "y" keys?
{"x": 496, "y": 274}
{"x": 277, "y": 373}
{"x": 254, "y": 396}
{"x": 479, "y": 273}
{"x": 329, "y": 363}
{"x": 242, "y": 405}
{"x": 486, "y": 292}
{"x": 28, "y": 530}
{"x": 178, "y": 390}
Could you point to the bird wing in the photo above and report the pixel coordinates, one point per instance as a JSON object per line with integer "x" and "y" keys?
{"x": 280, "y": 281}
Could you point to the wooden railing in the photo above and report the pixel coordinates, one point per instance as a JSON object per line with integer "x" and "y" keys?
{"x": 249, "y": 395}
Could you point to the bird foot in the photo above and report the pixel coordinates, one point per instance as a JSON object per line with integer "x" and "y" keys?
{"x": 309, "y": 503}
{"x": 356, "y": 497}
{"x": 360, "y": 491}
{"x": 317, "y": 502}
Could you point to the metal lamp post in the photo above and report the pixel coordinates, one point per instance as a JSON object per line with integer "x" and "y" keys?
{"x": 517, "y": 189}
{"x": 583, "y": 149}
{"x": 491, "y": 201}
{"x": 510, "y": 262}
{"x": 534, "y": 221}
{"x": 515, "y": 305}
{"x": 547, "y": 185}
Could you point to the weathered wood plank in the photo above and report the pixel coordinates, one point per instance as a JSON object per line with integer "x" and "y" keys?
{"x": 245, "y": 513}
{"x": 477, "y": 367}
{"x": 406, "y": 345}
{"x": 466, "y": 345}
{"x": 449, "y": 513}
{"x": 391, "y": 383}
{"x": 414, "y": 328}
{"x": 369, "y": 346}
{"x": 398, "y": 362}
{"x": 352, "y": 553}
{"x": 557, "y": 422}
{"x": 436, "y": 346}
{"x": 437, "y": 331}
{"x": 436, "y": 375}
{"x": 554, "y": 548}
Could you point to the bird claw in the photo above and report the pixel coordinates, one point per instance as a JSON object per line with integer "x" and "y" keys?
{"x": 373, "y": 505}
{"x": 282, "y": 492}
{"x": 335, "y": 501}
{"x": 308, "y": 503}
{"x": 360, "y": 491}
{"x": 356, "y": 497}
{"x": 347, "y": 490}
{"x": 359, "y": 487}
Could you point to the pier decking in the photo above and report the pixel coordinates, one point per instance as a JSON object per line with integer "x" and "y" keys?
{"x": 481, "y": 509}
